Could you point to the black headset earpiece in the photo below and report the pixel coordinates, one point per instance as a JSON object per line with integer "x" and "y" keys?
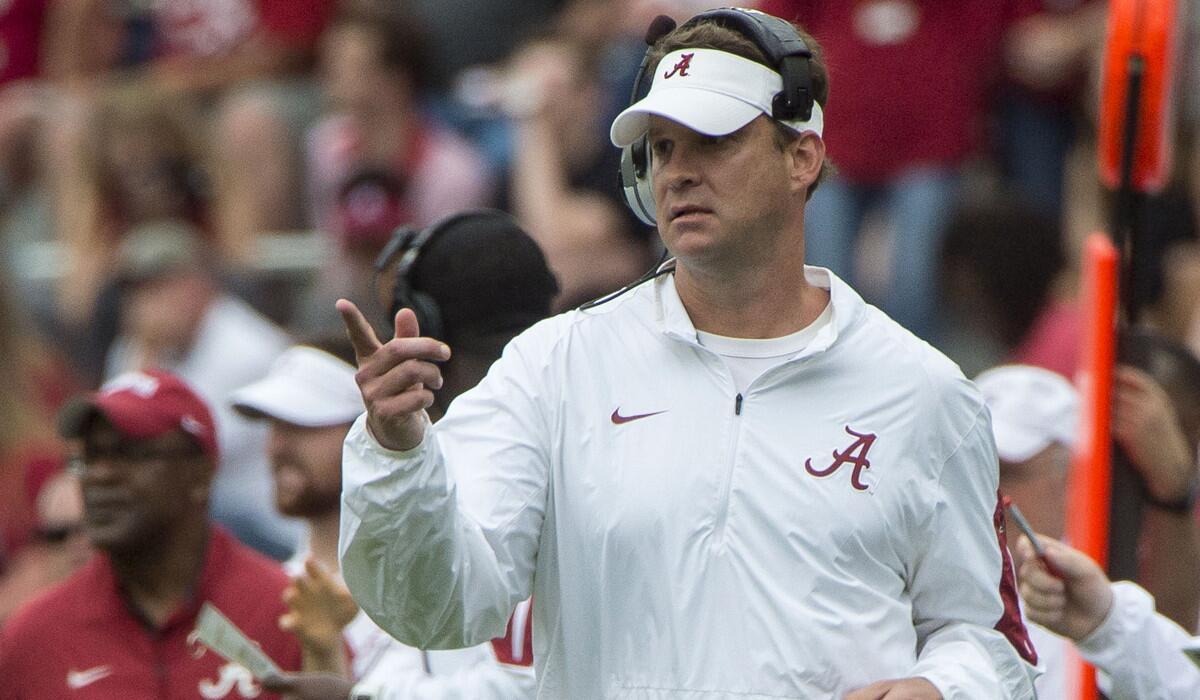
{"x": 784, "y": 49}
{"x": 405, "y": 245}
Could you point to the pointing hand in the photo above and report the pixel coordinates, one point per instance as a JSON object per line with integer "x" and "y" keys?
{"x": 397, "y": 378}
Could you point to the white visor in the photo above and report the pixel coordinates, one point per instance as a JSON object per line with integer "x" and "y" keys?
{"x": 305, "y": 387}
{"x": 711, "y": 92}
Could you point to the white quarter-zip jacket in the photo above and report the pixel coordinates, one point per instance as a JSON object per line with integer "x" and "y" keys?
{"x": 834, "y": 525}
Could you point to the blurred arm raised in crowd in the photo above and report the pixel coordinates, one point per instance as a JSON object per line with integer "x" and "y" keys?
{"x": 80, "y": 41}
{"x": 1151, "y": 432}
{"x": 76, "y": 204}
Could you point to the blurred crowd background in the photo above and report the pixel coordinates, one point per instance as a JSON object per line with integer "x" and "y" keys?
{"x": 189, "y": 184}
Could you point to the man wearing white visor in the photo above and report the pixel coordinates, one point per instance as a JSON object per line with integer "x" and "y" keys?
{"x": 711, "y": 92}
{"x": 732, "y": 479}
{"x": 310, "y": 399}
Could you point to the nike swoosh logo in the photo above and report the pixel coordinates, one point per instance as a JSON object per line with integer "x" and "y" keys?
{"x": 79, "y": 679}
{"x": 618, "y": 419}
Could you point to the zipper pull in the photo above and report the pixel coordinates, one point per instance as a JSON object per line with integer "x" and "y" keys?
{"x": 737, "y": 405}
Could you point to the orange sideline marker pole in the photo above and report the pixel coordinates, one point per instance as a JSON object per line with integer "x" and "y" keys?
{"x": 1090, "y": 486}
{"x": 1141, "y": 48}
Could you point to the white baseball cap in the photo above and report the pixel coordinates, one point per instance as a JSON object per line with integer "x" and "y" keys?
{"x": 709, "y": 91}
{"x": 1032, "y": 408}
{"x": 306, "y": 387}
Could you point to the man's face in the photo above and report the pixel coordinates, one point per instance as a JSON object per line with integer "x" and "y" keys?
{"x": 720, "y": 196}
{"x": 1037, "y": 486}
{"x": 355, "y": 80}
{"x": 165, "y": 311}
{"x": 136, "y": 491}
{"x": 307, "y": 463}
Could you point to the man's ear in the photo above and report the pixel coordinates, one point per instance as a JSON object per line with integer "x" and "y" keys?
{"x": 806, "y": 155}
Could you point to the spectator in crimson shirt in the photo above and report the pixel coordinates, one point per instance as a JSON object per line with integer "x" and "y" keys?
{"x": 220, "y": 43}
{"x": 122, "y": 626}
{"x": 257, "y": 55}
{"x": 377, "y": 158}
{"x": 197, "y": 45}
{"x": 249, "y": 61}
{"x": 912, "y": 79}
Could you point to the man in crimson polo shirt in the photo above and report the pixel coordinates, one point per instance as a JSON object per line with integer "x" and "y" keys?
{"x": 121, "y": 627}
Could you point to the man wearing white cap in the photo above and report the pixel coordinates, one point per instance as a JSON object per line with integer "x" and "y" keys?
{"x": 1035, "y": 416}
{"x": 310, "y": 399}
{"x": 735, "y": 479}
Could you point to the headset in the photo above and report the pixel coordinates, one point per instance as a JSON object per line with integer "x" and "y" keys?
{"x": 406, "y": 244}
{"x": 404, "y": 251}
{"x": 785, "y": 51}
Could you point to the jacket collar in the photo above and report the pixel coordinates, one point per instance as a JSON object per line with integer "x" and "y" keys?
{"x": 673, "y": 319}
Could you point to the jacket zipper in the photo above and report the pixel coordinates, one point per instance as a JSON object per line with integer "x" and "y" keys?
{"x": 727, "y": 486}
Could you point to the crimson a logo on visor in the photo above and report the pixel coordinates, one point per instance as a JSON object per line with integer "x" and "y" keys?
{"x": 681, "y": 68}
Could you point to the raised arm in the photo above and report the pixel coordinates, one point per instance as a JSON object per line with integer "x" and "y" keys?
{"x": 440, "y": 526}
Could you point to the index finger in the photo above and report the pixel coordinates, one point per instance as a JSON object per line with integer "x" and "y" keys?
{"x": 362, "y": 336}
{"x": 316, "y": 571}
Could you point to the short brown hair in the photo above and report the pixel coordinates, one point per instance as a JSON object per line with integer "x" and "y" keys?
{"x": 708, "y": 34}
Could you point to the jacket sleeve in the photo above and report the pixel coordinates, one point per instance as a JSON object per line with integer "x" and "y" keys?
{"x": 1139, "y": 652}
{"x": 439, "y": 543}
{"x": 972, "y": 644}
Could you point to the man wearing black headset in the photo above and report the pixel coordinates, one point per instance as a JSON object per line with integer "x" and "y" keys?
{"x": 732, "y": 480}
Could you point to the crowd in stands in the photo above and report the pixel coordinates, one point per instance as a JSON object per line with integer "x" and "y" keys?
{"x": 156, "y": 156}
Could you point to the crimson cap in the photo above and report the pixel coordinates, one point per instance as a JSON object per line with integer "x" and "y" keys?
{"x": 144, "y": 405}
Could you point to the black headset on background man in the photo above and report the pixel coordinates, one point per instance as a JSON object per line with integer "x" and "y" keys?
{"x": 406, "y": 243}
{"x": 489, "y": 272}
{"x": 780, "y": 43}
